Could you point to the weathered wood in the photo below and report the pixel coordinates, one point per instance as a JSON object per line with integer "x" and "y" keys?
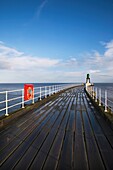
{"x": 65, "y": 133}
{"x": 66, "y": 158}
{"x": 80, "y": 156}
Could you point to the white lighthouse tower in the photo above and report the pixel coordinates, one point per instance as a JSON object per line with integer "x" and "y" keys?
{"x": 88, "y": 81}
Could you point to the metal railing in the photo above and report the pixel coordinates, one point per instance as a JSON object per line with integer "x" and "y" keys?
{"x": 102, "y": 96}
{"x": 13, "y": 100}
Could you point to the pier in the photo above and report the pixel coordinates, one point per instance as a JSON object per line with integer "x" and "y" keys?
{"x": 64, "y": 133}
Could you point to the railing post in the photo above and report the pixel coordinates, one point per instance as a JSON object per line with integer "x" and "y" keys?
{"x": 49, "y": 90}
{"x": 45, "y": 92}
{"x": 6, "y": 114}
{"x": 105, "y": 101}
{"x": 99, "y": 97}
{"x": 22, "y": 98}
{"x": 93, "y": 92}
{"x": 53, "y": 89}
{"x": 33, "y": 97}
{"x": 40, "y": 93}
{"x": 96, "y": 94}
{"x": 56, "y": 88}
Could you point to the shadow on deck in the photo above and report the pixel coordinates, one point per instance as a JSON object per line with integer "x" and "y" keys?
{"x": 65, "y": 133}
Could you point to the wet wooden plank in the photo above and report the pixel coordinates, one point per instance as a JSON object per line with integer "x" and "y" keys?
{"x": 106, "y": 151}
{"x": 87, "y": 125}
{"x": 66, "y": 158}
{"x": 80, "y": 156}
{"x": 79, "y": 129}
{"x": 52, "y": 141}
{"x": 94, "y": 158}
{"x": 50, "y": 164}
{"x": 71, "y": 122}
{"x": 23, "y": 131}
{"x": 26, "y": 136}
{"x": 38, "y": 161}
{"x": 57, "y": 145}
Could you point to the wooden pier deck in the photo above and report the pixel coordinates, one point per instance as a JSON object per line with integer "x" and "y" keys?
{"x": 65, "y": 133}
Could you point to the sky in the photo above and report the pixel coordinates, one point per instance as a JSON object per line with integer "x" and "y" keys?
{"x": 56, "y": 41}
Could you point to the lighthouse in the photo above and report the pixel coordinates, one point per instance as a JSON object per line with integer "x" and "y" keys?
{"x": 88, "y": 81}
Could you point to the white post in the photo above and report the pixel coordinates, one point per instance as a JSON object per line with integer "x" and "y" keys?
{"x": 45, "y": 92}
{"x": 40, "y": 93}
{"x": 33, "y": 97}
{"x": 6, "y": 104}
{"x": 59, "y": 88}
{"x": 49, "y": 90}
{"x": 96, "y": 94}
{"x": 53, "y": 89}
{"x": 99, "y": 97}
{"x": 105, "y": 101}
{"x": 22, "y": 98}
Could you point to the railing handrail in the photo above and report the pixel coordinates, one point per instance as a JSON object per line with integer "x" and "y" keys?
{"x": 101, "y": 94}
{"x": 43, "y": 91}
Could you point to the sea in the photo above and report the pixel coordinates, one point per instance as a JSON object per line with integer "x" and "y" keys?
{"x": 15, "y": 86}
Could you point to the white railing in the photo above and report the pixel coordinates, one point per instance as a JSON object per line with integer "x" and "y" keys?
{"x": 102, "y": 96}
{"x": 14, "y": 99}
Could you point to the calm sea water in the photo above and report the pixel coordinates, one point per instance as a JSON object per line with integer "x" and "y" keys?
{"x": 14, "y": 86}
{"x": 107, "y": 86}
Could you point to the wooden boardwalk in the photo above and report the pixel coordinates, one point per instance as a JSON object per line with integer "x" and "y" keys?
{"x": 65, "y": 133}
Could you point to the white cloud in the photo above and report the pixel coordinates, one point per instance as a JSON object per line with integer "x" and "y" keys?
{"x": 16, "y": 66}
{"x": 11, "y": 58}
{"x": 101, "y": 64}
{"x": 94, "y": 71}
{"x": 109, "y": 51}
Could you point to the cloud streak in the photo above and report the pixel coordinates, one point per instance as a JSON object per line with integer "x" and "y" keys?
{"x": 41, "y": 7}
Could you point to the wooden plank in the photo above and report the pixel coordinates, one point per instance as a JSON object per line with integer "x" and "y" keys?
{"x": 51, "y": 163}
{"x": 94, "y": 158}
{"x": 71, "y": 122}
{"x": 29, "y": 138}
{"x": 66, "y": 158}
{"x": 80, "y": 157}
{"x": 79, "y": 130}
{"x": 106, "y": 151}
{"x": 57, "y": 145}
{"x": 38, "y": 161}
{"x": 17, "y": 132}
{"x": 87, "y": 125}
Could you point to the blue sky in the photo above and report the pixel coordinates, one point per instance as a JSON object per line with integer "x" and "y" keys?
{"x": 56, "y": 40}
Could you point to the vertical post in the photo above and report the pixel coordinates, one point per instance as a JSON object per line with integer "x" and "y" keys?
{"x": 22, "y": 98}
{"x": 49, "y": 90}
{"x": 45, "y": 92}
{"x": 93, "y": 93}
{"x": 96, "y": 94}
{"x": 55, "y": 88}
{"x": 105, "y": 101}
{"x": 99, "y": 97}
{"x": 40, "y": 93}
{"x": 33, "y": 96}
{"x": 6, "y": 114}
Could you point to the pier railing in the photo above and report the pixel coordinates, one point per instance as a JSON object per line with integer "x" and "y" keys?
{"x": 13, "y": 100}
{"x": 102, "y": 96}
